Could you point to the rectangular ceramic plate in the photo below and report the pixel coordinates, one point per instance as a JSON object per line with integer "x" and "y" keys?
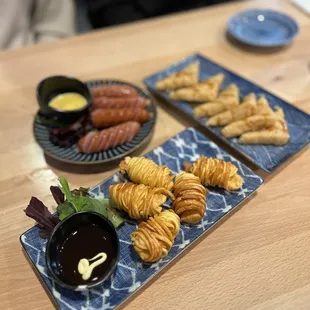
{"x": 131, "y": 274}
{"x": 266, "y": 157}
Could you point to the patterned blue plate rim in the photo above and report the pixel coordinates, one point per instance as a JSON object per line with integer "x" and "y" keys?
{"x": 162, "y": 269}
{"x": 110, "y": 158}
{"x": 269, "y": 13}
{"x": 181, "y": 253}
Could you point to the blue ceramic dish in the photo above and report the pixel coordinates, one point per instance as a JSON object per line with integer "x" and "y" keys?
{"x": 71, "y": 155}
{"x": 263, "y": 28}
{"x": 131, "y": 274}
{"x": 267, "y": 157}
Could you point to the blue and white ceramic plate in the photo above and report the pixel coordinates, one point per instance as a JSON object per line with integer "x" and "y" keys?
{"x": 267, "y": 157}
{"x": 131, "y": 274}
{"x": 263, "y": 28}
{"x": 71, "y": 155}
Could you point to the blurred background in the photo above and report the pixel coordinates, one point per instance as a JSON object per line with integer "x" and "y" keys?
{"x": 102, "y": 13}
{"x": 25, "y": 22}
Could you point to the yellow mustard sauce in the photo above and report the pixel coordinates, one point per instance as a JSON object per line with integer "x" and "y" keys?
{"x": 68, "y": 102}
{"x": 85, "y": 269}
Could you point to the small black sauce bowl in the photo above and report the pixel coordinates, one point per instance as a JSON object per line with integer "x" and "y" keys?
{"x": 52, "y": 86}
{"x": 60, "y": 234}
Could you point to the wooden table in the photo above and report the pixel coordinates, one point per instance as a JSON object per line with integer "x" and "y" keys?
{"x": 259, "y": 258}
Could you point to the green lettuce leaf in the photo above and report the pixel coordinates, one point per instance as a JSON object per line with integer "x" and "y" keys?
{"x": 64, "y": 187}
{"x": 80, "y": 191}
{"x": 112, "y": 214}
{"x": 65, "y": 209}
{"x": 95, "y": 206}
{"x": 77, "y": 201}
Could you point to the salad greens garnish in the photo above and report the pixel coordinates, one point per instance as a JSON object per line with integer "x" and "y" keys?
{"x": 57, "y": 194}
{"x": 77, "y": 201}
{"x": 80, "y": 191}
{"x": 70, "y": 202}
{"x": 40, "y": 213}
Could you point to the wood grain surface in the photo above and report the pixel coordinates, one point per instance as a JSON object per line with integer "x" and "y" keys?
{"x": 258, "y": 258}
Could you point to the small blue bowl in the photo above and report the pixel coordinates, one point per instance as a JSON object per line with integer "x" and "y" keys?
{"x": 263, "y": 28}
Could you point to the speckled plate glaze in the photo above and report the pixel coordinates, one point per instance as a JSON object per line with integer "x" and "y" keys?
{"x": 263, "y": 28}
{"x": 73, "y": 156}
{"x": 131, "y": 274}
{"x": 267, "y": 157}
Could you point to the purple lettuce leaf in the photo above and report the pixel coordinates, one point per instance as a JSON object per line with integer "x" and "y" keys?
{"x": 57, "y": 194}
{"x": 40, "y": 213}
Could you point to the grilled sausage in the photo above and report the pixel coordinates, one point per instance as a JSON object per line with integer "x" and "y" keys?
{"x": 104, "y": 102}
{"x": 109, "y": 117}
{"x": 97, "y": 141}
{"x": 114, "y": 90}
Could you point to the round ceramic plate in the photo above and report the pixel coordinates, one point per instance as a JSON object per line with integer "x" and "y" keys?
{"x": 73, "y": 156}
{"x": 263, "y": 28}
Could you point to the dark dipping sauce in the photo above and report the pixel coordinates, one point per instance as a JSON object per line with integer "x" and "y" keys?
{"x": 86, "y": 241}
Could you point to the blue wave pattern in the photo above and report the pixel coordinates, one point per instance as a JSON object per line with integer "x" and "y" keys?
{"x": 266, "y": 157}
{"x": 131, "y": 274}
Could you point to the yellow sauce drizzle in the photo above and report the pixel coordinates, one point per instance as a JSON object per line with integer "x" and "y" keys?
{"x": 85, "y": 269}
{"x": 68, "y": 102}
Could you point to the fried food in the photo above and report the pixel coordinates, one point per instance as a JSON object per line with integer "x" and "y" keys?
{"x": 252, "y": 123}
{"x": 247, "y": 108}
{"x": 206, "y": 90}
{"x": 264, "y": 118}
{"x": 227, "y": 99}
{"x": 278, "y": 134}
{"x": 263, "y": 106}
{"x": 272, "y": 137}
{"x": 190, "y": 198}
{"x": 144, "y": 171}
{"x": 215, "y": 172}
{"x": 138, "y": 200}
{"x": 154, "y": 238}
{"x": 187, "y": 77}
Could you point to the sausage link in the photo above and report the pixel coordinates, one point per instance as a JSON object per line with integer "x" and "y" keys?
{"x": 114, "y": 91}
{"x": 110, "y": 117}
{"x": 119, "y": 102}
{"x": 108, "y": 138}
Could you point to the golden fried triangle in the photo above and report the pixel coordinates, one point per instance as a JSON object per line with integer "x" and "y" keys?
{"x": 276, "y": 135}
{"x": 263, "y": 106}
{"x": 263, "y": 119}
{"x": 227, "y": 99}
{"x": 252, "y": 123}
{"x": 247, "y": 108}
{"x": 187, "y": 77}
{"x": 206, "y": 90}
